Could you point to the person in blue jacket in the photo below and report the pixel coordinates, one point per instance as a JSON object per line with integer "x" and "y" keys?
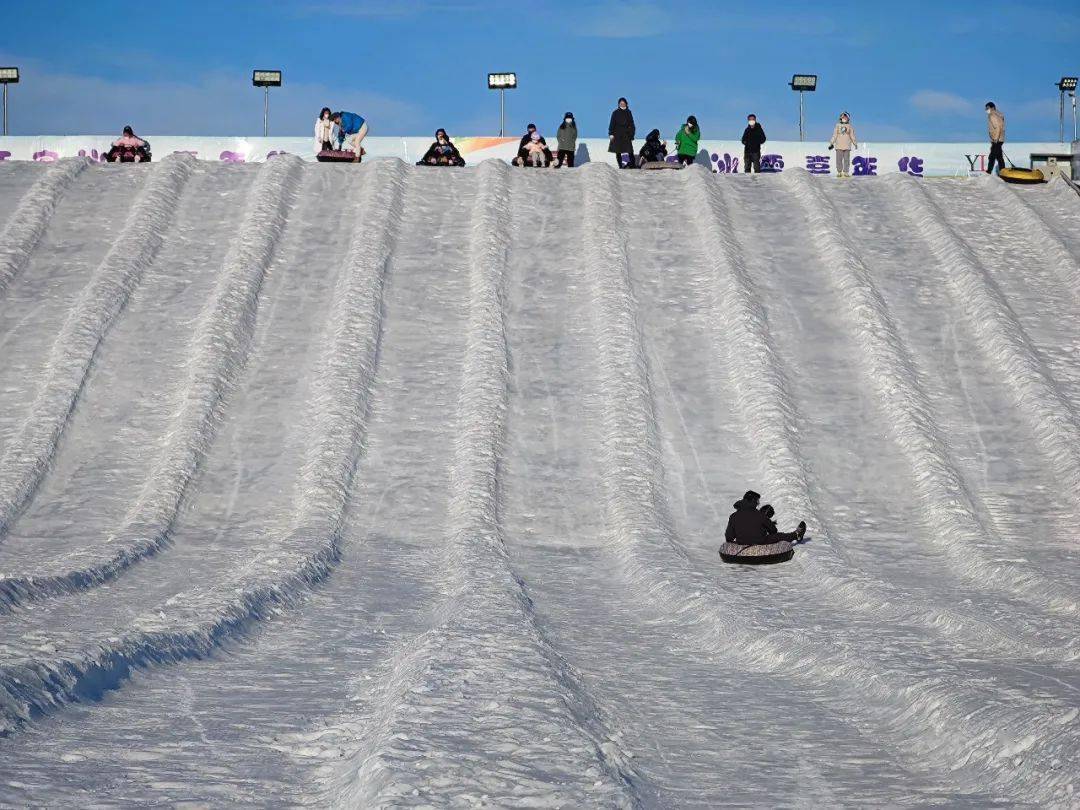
{"x": 353, "y": 128}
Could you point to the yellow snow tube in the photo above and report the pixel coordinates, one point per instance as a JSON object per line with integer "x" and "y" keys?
{"x": 1015, "y": 175}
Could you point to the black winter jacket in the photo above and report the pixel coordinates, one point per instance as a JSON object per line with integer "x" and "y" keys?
{"x": 753, "y": 138}
{"x": 746, "y": 524}
{"x": 622, "y": 128}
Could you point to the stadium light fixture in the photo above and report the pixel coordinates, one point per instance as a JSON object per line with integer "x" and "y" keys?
{"x": 266, "y": 79}
{"x": 803, "y": 83}
{"x": 8, "y": 75}
{"x": 502, "y": 82}
{"x": 1066, "y": 85}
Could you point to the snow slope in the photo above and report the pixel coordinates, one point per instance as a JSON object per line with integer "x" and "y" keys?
{"x": 387, "y": 486}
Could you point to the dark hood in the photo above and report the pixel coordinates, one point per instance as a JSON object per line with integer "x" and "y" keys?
{"x": 744, "y": 504}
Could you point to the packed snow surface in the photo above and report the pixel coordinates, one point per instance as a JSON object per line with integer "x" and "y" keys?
{"x": 386, "y": 486}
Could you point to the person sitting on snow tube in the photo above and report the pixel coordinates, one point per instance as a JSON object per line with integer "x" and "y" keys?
{"x": 654, "y": 150}
{"x": 129, "y": 148}
{"x": 749, "y": 526}
{"x": 442, "y": 152}
{"x": 525, "y": 146}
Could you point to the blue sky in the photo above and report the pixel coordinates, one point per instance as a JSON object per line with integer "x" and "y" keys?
{"x": 913, "y": 71}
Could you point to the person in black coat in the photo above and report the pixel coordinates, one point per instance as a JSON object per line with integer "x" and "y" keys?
{"x": 752, "y": 138}
{"x": 654, "y": 150}
{"x": 442, "y": 152}
{"x": 750, "y": 526}
{"x": 523, "y": 151}
{"x": 621, "y": 133}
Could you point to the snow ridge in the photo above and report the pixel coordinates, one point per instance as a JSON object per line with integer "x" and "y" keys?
{"x": 27, "y": 225}
{"x": 555, "y": 748}
{"x": 769, "y": 414}
{"x": 1039, "y": 232}
{"x": 887, "y": 364}
{"x": 195, "y": 622}
{"x": 101, "y": 302}
{"x": 1053, "y": 420}
{"x": 217, "y": 356}
{"x": 939, "y": 722}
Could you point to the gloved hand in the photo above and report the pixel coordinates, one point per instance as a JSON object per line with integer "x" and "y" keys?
{"x": 830, "y": 147}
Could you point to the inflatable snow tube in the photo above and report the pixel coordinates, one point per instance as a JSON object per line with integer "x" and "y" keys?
{"x": 339, "y": 155}
{"x": 765, "y": 554}
{"x": 1023, "y": 176}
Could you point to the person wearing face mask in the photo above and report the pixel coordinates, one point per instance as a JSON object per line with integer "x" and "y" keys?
{"x": 843, "y": 141}
{"x": 686, "y": 141}
{"x": 752, "y": 139}
{"x": 996, "y": 128}
{"x": 566, "y": 140}
{"x": 442, "y": 152}
{"x": 324, "y": 131}
{"x": 621, "y": 134}
{"x": 525, "y": 147}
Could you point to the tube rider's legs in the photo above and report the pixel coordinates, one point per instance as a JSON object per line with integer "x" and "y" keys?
{"x": 355, "y": 139}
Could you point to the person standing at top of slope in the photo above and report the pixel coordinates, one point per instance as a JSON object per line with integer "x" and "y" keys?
{"x": 843, "y": 141}
{"x": 996, "y": 129}
{"x": 324, "y": 131}
{"x": 753, "y": 138}
{"x": 686, "y": 141}
{"x": 566, "y": 140}
{"x": 750, "y": 526}
{"x": 353, "y": 128}
{"x": 621, "y": 132}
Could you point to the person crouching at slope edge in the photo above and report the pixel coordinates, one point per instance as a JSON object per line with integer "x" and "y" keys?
{"x": 353, "y": 128}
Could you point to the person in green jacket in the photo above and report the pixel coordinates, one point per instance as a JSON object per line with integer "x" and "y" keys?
{"x": 686, "y": 141}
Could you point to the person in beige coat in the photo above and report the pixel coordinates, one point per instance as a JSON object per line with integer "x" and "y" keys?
{"x": 843, "y": 141}
{"x": 996, "y": 129}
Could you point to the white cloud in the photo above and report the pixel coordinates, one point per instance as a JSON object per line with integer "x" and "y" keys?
{"x": 49, "y": 103}
{"x": 384, "y": 10}
{"x": 616, "y": 20}
{"x": 937, "y": 101}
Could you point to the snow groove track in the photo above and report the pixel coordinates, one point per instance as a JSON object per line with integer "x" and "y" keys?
{"x": 446, "y": 692}
{"x": 1038, "y": 397}
{"x": 27, "y": 458}
{"x": 1035, "y": 226}
{"x": 967, "y": 732}
{"x": 888, "y": 366}
{"x": 217, "y": 353}
{"x": 193, "y": 623}
{"x": 31, "y": 218}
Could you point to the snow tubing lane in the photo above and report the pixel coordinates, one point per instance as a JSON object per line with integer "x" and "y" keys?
{"x": 765, "y": 554}
{"x": 1024, "y": 176}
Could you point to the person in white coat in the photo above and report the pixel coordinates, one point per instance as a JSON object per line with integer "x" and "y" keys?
{"x": 324, "y": 130}
{"x": 843, "y": 140}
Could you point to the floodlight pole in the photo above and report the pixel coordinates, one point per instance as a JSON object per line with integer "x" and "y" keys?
{"x": 1073, "y": 94}
{"x": 502, "y": 111}
{"x": 266, "y": 111}
{"x": 800, "y": 115}
{"x": 5, "y": 109}
{"x": 1061, "y": 112}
